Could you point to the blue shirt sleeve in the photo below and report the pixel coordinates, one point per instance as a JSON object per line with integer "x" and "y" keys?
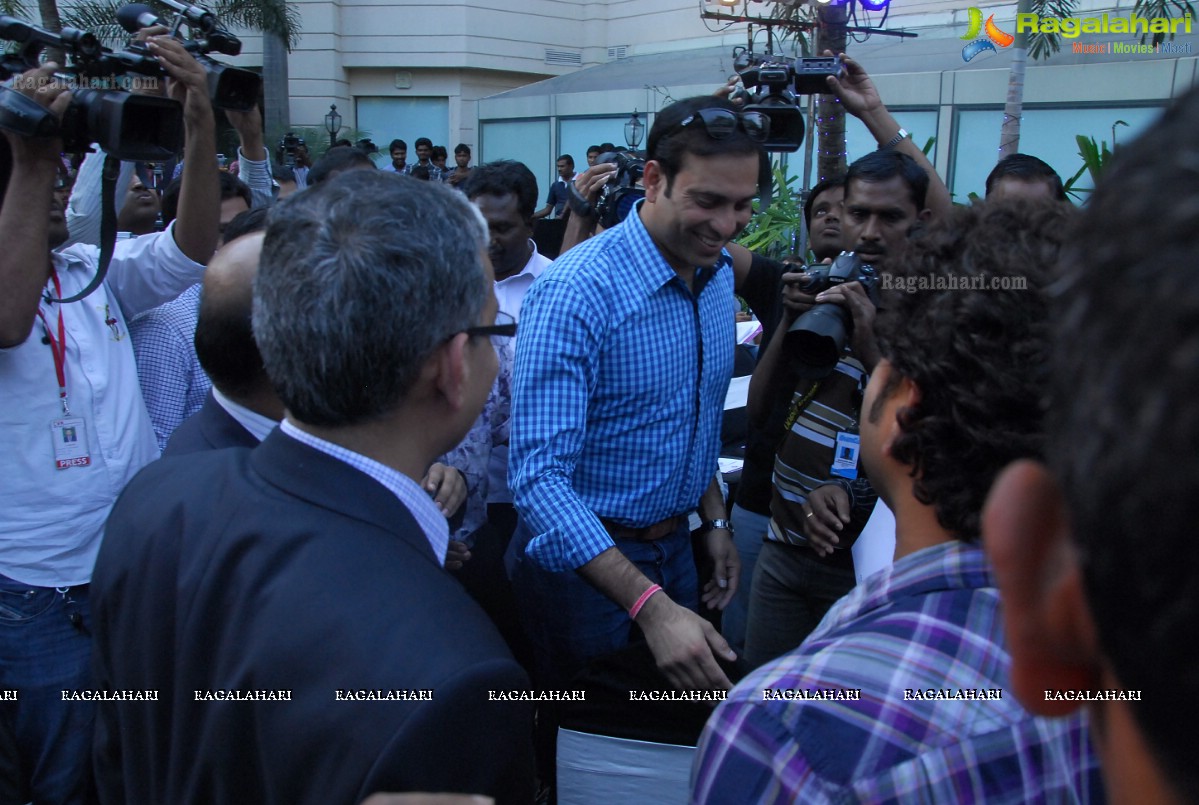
{"x": 556, "y": 368}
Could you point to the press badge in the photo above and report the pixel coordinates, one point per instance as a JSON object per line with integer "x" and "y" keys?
{"x": 70, "y": 443}
{"x": 845, "y": 458}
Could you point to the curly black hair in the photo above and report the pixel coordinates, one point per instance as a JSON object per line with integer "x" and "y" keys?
{"x": 965, "y": 317}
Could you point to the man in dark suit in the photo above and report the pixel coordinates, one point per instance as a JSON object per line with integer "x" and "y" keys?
{"x": 288, "y": 604}
{"x": 242, "y": 407}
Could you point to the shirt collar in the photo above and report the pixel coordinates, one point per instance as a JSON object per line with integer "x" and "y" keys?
{"x": 657, "y": 271}
{"x": 532, "y": 268}
{"x": 952, "y": 565}
{"x": 258, "y": 425}
{"x": 431, "y": 521}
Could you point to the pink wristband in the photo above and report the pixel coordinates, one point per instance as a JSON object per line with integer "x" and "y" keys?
{"x": 636, "y": 609}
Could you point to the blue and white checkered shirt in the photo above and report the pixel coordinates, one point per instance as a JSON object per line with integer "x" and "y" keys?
{"x": 417, "y": 500}
{"x": 174, "y": 384}
{"x": 612, "y": 414}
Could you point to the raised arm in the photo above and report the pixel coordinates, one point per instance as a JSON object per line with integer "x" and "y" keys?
{"x": 252, "y": 155}
{"x": 860, "y": 98}
{"x": 25, "y": 216}
{"x": 197, "y": 226}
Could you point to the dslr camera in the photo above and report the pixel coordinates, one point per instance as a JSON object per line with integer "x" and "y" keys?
{"x": 816, "y": 339}
{"x": 137, "y": 128}
{"x": 779, "y": 81}
{"x": 621, "y": 192}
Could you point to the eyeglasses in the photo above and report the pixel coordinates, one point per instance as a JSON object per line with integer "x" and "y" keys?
{"x": 504, "y": 327}
{"x": 720, "y": 124}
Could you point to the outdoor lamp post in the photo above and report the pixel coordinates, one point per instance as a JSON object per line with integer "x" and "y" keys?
{"x": 332, "y": 123}
{"x": 634, "y": 130}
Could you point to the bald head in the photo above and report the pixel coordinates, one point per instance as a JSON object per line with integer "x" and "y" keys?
{"x": 224, "y": 339}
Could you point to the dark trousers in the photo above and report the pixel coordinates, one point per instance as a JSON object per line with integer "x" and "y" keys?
{"x": 792, "y": 590}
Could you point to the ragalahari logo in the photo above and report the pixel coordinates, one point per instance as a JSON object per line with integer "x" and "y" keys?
{"x": 994, "y": 35}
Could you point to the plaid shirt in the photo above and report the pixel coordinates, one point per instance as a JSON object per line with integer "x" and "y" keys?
{"x": 174, "y": 384}
{"x": 931, "y": 621}
{"x": 612, "y": 414}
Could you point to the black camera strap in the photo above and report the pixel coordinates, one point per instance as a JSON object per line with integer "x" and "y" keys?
{"x": 765, "y": 182}
{"x": 108, "y": 227}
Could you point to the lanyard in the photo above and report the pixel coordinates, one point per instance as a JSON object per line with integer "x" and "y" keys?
{"x": 58, "y": 347}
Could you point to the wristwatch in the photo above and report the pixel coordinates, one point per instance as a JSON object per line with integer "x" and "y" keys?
{"x": 712, "y": 525}
{"x": 896, "y": 140}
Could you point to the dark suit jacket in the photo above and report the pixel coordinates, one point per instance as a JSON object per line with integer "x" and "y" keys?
{"x": 210, "y": 428}
{"x": 283, "y": 569}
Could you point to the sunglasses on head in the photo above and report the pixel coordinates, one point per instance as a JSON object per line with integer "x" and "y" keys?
{"x": 720, "y": 124}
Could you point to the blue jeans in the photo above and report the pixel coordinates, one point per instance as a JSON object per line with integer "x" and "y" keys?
{"x": 570, "y": 622}
{"x": 792, "y": 591}
{"x": 749, "y": 528}
{"x": 45, "y": 648}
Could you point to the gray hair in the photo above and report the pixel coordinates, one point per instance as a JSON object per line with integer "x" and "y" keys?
{"x": 362, "y": 277}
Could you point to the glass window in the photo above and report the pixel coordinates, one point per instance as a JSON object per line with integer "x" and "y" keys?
{"x": 1045, "y": 133}
{"x": 920, "y": 124}
{"x": 575, "y": 136}
{"x": 526, "y": 141}
{"x": 387, "y": 119}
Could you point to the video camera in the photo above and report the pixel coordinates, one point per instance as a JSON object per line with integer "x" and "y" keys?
{"x": 228, "y": 87}
{"x": 288, "y": 145}
{"x": 130, "y": 127}
{"x": 618, "y": 196}
{"x": 779, "y": 82}
{"x": 817, "y": 338}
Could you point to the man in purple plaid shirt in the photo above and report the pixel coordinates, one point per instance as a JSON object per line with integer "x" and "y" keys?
{"x": 902, "y": 693}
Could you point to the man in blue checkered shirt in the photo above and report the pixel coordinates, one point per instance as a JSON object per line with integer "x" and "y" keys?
{"x": 622, "y": 363}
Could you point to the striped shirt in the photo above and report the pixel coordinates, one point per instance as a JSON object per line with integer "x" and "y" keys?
{"x": 931, "y": 622}
{"x": 819, "y": 411}
{"x": 621, "y": 374}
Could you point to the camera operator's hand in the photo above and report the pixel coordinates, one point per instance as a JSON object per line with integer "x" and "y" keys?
{"x": 42, "y": 88}
{"x": 582, "y": 222}
{"x": 860, "y": 98}
{"x": 248, "y": 125}
{"x": 196, "y": 227}
{"x": 825, "y": 514}
{"x": 795, "y": 301}
{"x": 852, "y": 296}
{"x": 855, "y": 90}
{"x": 189, "y": 82}
{"x": 733, "y": 90}
{"x": 590, "y": 182}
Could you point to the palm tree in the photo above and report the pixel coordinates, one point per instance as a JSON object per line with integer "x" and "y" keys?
{"x": 830, "y": 115}
{"x": 1037, "y": 46}
{"x": 830, "y": 20}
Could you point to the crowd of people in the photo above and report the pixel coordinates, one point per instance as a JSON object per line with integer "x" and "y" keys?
{"x": 420, "y": 485}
